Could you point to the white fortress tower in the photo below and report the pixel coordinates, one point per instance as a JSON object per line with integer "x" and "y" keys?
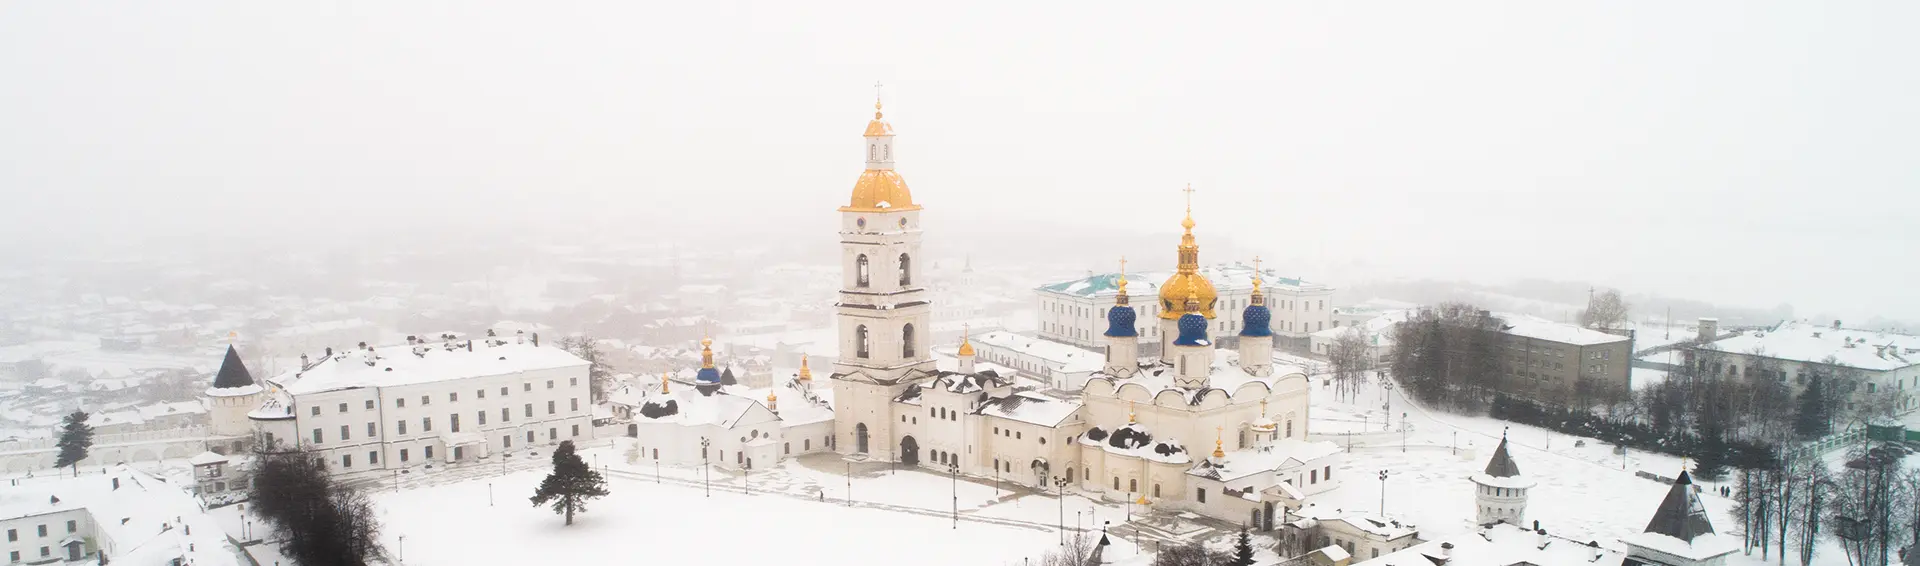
{"x": 883, "y": 311}
{"x": 1501, "y": 492}
{"x": 232, "y": 395}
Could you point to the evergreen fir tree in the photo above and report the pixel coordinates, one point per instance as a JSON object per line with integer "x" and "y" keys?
{"x": 76, "y": 437}
{"x": 1242, "y": 550}
{"x": 570, "y": 485}
{"x": 1813, "y": 420}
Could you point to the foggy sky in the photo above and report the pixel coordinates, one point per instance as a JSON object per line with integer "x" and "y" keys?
{"x": 1747, "y": 152}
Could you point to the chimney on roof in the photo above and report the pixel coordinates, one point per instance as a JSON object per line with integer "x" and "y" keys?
{"x": 1709, "y": 329}
{"x": 363, "y": 345}
{"x": 1836, "y": 324}
{"x": 1446, "y": 552}
{"x": 329, "y": 351}
{"x": 519, "y": 336}
{"x": 116, "y": 484}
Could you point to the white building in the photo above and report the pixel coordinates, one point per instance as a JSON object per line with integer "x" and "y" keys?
{"x": 392, "y": 407}
{"x": 1061, "y": 366}
{"x": 1887, "y": 364}
{"x": 123, "y": 517}
{"x": 1127, "y": 432}
{"x": 1376, "y": 331}
{"x": 1075, "y": 311}
{"x": 731, "y": 426}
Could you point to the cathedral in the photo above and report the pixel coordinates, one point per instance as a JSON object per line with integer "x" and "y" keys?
{"x": 1198, "y": 428}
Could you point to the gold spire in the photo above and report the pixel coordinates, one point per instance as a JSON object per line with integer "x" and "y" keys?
{"x": 805, "y": 374}
{"x": 966, "y": 345}
{"x": 663, "y": 381}
{"x": 771, "y": 399}
{"x": 1218, "y": 451}
{"x": 1120, "y": 299}
{"x": 878, "y": 127}
{"x": 1187, "y": 279}
{"x": 1129, "y": 412}
{"x": 1258, "y": 297}
{"x": 706, "y": 352}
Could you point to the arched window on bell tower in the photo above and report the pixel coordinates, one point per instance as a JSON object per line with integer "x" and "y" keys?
{"x": 860, "y": 341}
{"x": 860, "y": 271}
{"x": 906, "y": 341}
{"x": 906, "y": 270}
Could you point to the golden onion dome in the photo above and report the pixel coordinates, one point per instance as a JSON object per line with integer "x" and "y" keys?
{"x": 966, "y": 348}
{"x": 880, "y": 190}
{"x": 1187, "y": 282}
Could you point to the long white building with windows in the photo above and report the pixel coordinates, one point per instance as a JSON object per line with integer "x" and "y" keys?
{"x": 452, "y": 402}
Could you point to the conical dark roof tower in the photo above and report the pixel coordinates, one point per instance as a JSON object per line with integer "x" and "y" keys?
{"x": 1681, "y": 515}
{"x": 233, "y": 372}
{"x": 1502, "y": 465}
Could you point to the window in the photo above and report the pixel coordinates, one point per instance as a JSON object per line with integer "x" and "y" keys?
{"x": 403, "y": 455}
{"x": 996, "y": 430}
{"x": 1116, "y": 483}
{"x": 529, "y": 437}
{"x": 528, "y": 386}
{"x": 1313, "y": 476}
{"x": 400, "y": 403}
{"x": 575, "y": 402}
{"x": 1016, "y": 435}
{"x": 343, "y": 407}
{"x": 1200, "y": 494}
{"x": 13, "y": 535}
{"x": 481, "y": 417}
{"x": 45, "y": 552}
{"x": 316, "y": 410}
{"x": 906, "y": 268}
{"x": 426, "y": 452}
{"x": 1133, "y": 485}
{"x": 316, "y": 436}
{"x": 503, "y": 391}
{"x": 860, "y": 341}
{"x": 371, "y": 431}
{"x": 373, "y": 458}
{"x": 1326, "y": 472}
{"x": 453, "y": 397}
{"x": 860, "y": 271}
{"x": 529, "y": 410}
{"x": 806, "y": 444}
{"x": 906, "y": 341}
{"x": 549, "y": 384}
{"x": 506, "y": 441}
{"x": 369, "y": 404}
{"x": 426, "y": 425}
{"x": 506, "y": 416}
{"x": 453, "y": 422}
{"x": 576, "y": 430}
{"x": 13, "y": 556}
{"x": 550, "y": 407}
{"x": 346, "y": 460}
{"x": 479, "y": 393}
{"x": 553, "y": 434}
{"x": 425, "y": 400}
{"x": 344, "y": 429}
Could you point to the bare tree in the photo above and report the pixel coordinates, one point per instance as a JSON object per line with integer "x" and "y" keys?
{"x": 599, "y": 373}
{"x": 1350, "y": 361}
{"x": 1605, "y": 310}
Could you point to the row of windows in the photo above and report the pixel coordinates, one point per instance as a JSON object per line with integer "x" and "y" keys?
{"x": 426, "y": 423}
{"x": 452, "y": 397}
{"x": 506, "y": 441}
{"x": 13, "y": 535}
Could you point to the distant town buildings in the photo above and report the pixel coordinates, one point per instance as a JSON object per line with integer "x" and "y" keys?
{"x": 1874, "y": 366}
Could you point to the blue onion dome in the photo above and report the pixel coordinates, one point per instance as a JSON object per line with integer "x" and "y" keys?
{"x": 1257, "y": 320}
{"x": 1193, "y": 330}
{"x": 1120, "y": 322}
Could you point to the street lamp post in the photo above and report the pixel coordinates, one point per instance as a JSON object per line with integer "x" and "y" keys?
{"x": 403, "y": 549}
{"x": 1061, "y": 483}
{"x": 1383, "y": 493}
{"x": 705, "y": 465}
{"x": 849, "y": 483}
{"x": 953, "y": 470}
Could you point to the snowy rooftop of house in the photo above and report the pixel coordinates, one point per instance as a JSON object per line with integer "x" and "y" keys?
{"x": 1137, "y": 441}
{"x": 1362, "y": 520}
{"x": 1060, "y": 357}
{"x": 798, "y": 404}
{"x": 387, "y": 366}
{"x": 1284, "y": 454}
{"x": 1804, "y": 342}
{"x": 1376, "y": 325}
{"x": 1225, "y": 277}
{"x": 207, "y": 459}
{"x": 1031, "y": 408}
{"x": 1226, "y": 374}
{"x": 1539, "y": 328}
{"x": 1501, "y": 545}
{"x": 151, "y": 521}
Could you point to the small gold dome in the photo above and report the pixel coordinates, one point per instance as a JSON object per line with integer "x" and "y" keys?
{"x": 966, "y": 348}
{"x": 880, "y": 190}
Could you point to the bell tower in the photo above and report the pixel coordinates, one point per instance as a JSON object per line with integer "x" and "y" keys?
{"x": 883, "y": 311}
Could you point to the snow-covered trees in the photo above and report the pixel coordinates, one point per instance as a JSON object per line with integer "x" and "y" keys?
{"x": 318, "y": 521}
{"x": 1242, "y": 550}
{"x": 1605, "y": 310}
{"x": 570, "y": 485}
{"x": 1350, "y": 360}
{"x": 76, "y": 437}
{"x": 599, "y": 374}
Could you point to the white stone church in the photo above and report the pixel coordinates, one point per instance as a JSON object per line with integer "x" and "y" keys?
{"x": 1197, "y": 428}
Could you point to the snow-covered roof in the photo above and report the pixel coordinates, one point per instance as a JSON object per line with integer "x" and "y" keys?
{"x": 1501, "y": 545}
{"x": 1283, "y": 454}
{"x": 207, "y": 459}
{"x": 1226, "y": 374}
{"x": 1542, "y": 329}
{"x": 1361, "y": 520}
{"x": 1030, "y": 408}
{"x": 150, "y": 521}
{"x": 1234, "y": 277}
{"x": 1378, "y": 325}
{"x": 1136, "y": 441}
{"x": 388, "y": 366}
{"x": 1804, "y": 342}
{"x": 1058, "y": 356}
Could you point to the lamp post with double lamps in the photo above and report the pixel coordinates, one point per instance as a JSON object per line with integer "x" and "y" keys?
{"x": 705, "y": 465}
{"x": 1061, "y": 483}
{"x": 953, "y": 469}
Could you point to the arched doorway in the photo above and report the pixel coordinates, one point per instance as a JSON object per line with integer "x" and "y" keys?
{"x": 860, "y": 438}
{"x": 909, "y": 451}
{"x": 1040, "y": 469}
{"x": 633, "y": 431}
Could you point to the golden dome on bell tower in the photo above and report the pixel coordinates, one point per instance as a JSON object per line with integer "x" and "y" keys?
{"x": 1186, "y": 283}
{"x": 880, "y": 188}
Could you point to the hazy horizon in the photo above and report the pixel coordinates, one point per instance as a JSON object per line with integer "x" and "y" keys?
{"x": 1743, "y": 153}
